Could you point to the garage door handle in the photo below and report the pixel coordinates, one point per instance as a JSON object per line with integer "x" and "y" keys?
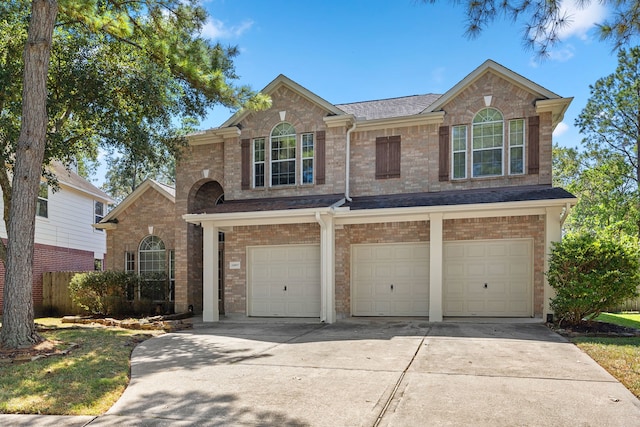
{"x": 486, "y": 286}
{"x": 391, "y": 287}
{"x": 285, "y": 288}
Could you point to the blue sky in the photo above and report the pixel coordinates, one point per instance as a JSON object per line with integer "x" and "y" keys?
{"x": 353, "y": 50}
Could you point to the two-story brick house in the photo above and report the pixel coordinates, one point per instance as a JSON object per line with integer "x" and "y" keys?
{"x": 427, "y": 205}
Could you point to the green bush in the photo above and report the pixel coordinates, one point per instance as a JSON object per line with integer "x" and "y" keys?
{"x": 592, "y": 273}
{"x": 103, "y": 292}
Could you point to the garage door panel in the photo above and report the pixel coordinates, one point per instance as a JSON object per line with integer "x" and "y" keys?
{"x": 284, "y": 281}
{"x": 405, "y": 266}
{"x": 506, "y": 266}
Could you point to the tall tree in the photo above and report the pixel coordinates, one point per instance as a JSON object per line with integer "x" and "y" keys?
{"x": 605, "y": 174}
{"x": 544, "y": 20}
{"x": 117, "y": 69}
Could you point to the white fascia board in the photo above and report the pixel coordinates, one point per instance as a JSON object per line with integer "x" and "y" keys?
{"x": 105, "y": 226}
{"x": 213, "y": 136}
{"x": 557, "y": 108}
{"x": 421, "y": 213}
{"x": 287, "y": 216}
{"x": 341, "y": 120}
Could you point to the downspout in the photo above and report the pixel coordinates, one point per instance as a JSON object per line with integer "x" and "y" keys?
{"x": 348, "y": 161}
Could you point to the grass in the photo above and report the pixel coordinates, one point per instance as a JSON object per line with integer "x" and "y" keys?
{"x": 619, "y": 356}
{"x": 87, "y": 381}
{"x": 630, "y": 320}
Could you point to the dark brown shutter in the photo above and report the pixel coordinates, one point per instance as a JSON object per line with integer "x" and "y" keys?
{"x": 320, "y": 156}
{"x": 443, "y": 174}
{"x": 534, "y": 145}
{"x": 382, "y": 159}
{"x": 393, "y": 170}
{"x": 245, "y": 168}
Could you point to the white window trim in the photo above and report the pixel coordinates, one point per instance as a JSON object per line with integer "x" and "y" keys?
{"x": 254, "y": 162}
{"x": 295, "y": 157}
{"x": 502, "y": 148}
{"x": 312, "y": 158}
{"x": 465, "y": 151}
{"x": 524, "y": 146}
{"x": 43, "y": 199}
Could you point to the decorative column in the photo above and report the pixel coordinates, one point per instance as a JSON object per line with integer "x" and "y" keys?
{"x": 327, "y": 268}
{"x": 210, "y": 273}
{"x": 553, "y": 233}
{"x": 435, "y": 267}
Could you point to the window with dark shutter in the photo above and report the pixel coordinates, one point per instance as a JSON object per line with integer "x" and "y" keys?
{"x": 443, "y": 158}
{"x": 533, "y": 134}
{"x": 245, "y": 168}
{"x": 388, "y": 157}
{"x": 320, "y": 156}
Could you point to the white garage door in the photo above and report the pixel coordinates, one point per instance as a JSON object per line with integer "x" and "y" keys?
{"x": 390, "y": 279}
{"x": 284, "y": 281}
{"x": 488, "y": 278}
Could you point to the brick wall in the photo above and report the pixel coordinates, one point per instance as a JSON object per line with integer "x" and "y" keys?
{"x": 51, "y": 258}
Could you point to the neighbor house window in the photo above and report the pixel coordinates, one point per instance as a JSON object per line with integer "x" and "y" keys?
{"x": 487, "y": 143}
{"x": 258, "y": 162}
{"x": 307, "y": 158}
{"x": 42, "y": 208}
{"x": 283, "y": 155}
{"x": 516, "y": 147}
{"x": 459, "y": 152}
{"x": 98, "y": 209}
{"x": 388, "y": 157}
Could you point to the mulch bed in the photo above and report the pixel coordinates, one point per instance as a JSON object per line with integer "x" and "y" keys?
{"x": 595, "y": 329}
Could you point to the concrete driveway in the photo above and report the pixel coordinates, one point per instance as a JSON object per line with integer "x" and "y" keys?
{"x": 369, "y": 372}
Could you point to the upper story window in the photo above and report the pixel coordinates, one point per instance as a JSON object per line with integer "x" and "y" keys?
{"x": 487, "y": 143}
{"x": 459, "y": 157}
{"x": 42, "y": 208}
{"x": 485, "y": 154}
{"x": 283, "y": 155}
{"x": 98, "y": 210}
{"x": 258, "y": 162}
{"x": 307, "y": 158}
{"x": 516, "y": 147}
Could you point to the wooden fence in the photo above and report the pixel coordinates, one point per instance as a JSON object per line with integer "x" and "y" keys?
{"x": 56, "y": 300}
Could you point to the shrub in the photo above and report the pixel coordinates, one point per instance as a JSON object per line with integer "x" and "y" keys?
{"x": 592, "y": 273}
{"x": 102, "y": 292}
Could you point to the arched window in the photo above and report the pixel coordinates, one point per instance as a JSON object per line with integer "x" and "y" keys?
{"x": 487, "y": 143}
{"x": 283, "y": 154}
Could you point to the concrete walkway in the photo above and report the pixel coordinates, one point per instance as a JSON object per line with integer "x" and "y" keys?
{"x": 365, "y": 372}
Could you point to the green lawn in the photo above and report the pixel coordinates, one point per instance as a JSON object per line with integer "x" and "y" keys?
{"x": 87, "y": 381}
{"x": 619, "y": 356}
{"x": 630, "y": 320}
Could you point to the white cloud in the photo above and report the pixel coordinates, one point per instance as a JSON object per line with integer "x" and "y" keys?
{"x": 216, "y": 29}
{"x": 562, "y": 54}
{"x": 581, "y": 19}
{"x": 561, "y": 129}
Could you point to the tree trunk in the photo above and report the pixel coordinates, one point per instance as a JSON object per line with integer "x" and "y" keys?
{"x": 18, "y": 328}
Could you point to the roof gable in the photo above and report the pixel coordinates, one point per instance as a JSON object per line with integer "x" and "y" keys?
{"x": 148, "y": 185}
{"x": 490, "y": 66}
{"x": 69, "y": 178}
{"x": 272, "y": 87}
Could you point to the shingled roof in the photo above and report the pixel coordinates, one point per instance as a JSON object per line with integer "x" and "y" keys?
{"x": 392, "y": 107}
{"x": 461, "y": 197}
